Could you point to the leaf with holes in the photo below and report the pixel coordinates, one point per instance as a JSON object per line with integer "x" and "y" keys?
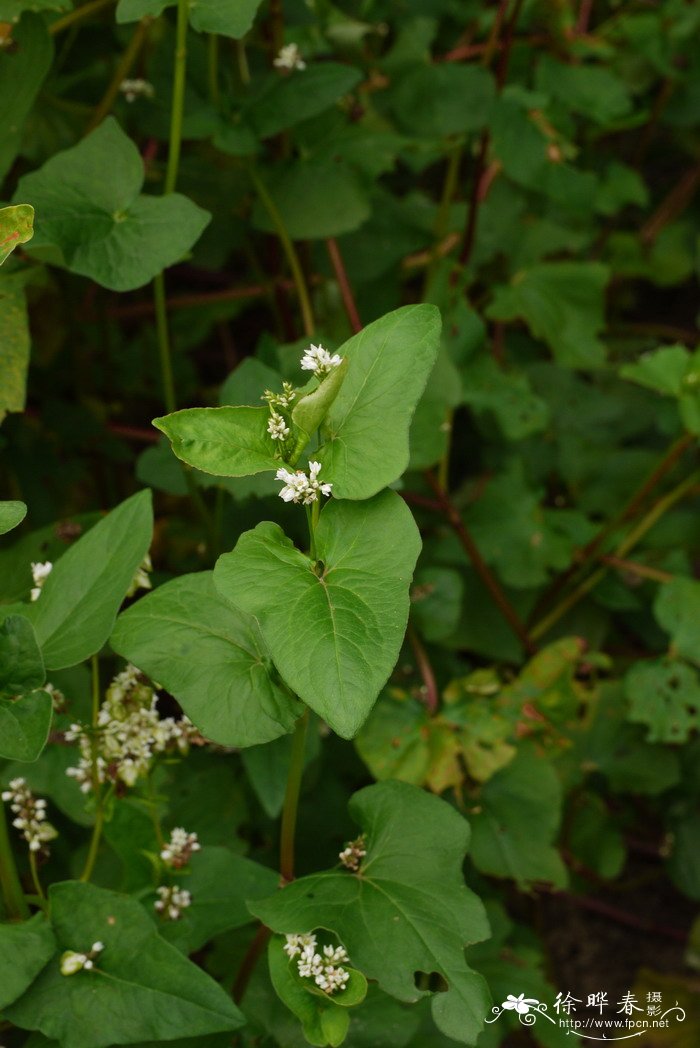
{"x": 664, "y": 694}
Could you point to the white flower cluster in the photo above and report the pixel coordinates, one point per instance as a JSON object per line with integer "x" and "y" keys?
{"x": 133, "y": 89}
{"x": 324, "y": 968}
{"x": 320, "y": 361}
{"x": 179, "y": 849}
{"x": 30, "y": 815}
{"x": 172, "y": 901}
{"x": 277, "y": 427}
{"x": 129, "y": 734}
{"x": 300, "y": 488}
{"x": 40, "y": 573}
{"x": 289, "y": 57}
{"x": 352, "y": 855}
{"x": 141, "y": 579}
{"x": 73, "y": 962}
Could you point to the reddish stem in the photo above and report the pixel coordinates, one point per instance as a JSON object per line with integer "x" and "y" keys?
{"x": 431, "y": 695}
{"x": 344, "y": 284}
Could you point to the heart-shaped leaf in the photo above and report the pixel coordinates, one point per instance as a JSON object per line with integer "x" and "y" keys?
{"x": 211, "y": 657}
{"x": 406, "y": 910}
{"x": 334, "y": 628}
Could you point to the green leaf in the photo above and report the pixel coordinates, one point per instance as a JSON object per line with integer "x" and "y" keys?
{"x": 24, "y": 950}
{"x": 248, "y": 382}
{"x": 518, "y": 816}
{"x": 432, "y": 422}
{"x": 227, "y": 441}
{"x": 206, "y": 16}
{"x": 310, "y": 410}
{"x": 325, "y": 1019}
{"x": 410, "y": 886}
{"x": 664, "y": 694}
{"x": 80, "y": 599}
{"x": 89, "y": 204}
{"x": 315, "y": 198}
{"x": 23, "y": 69}
{"x": 14, "y": 335}
{"x": 12, "y": 10}
{"x": 594, "y": 838}
{"x": 16, "y": 227}
{"x": 507, "y": 395}
{"x": 366, "y": 431}
{"x": 348, "y": 621}
{"x": 142, "y": 988}
{"x": 11, "y": 514}
{"x": 21, "y": 664}
{"x": 211, "y": 657}
{"x": 677, "y": 611}
{"x": 437, "y": 601}
{"x": 591, "y": 90}
{"x": 662, "y": 370}
{"x": 221, "y": 884}
{"x": 445, "y": 99}
{"x": 561, "y": 302}
{"x": 287, "y": 100}
{"x": 24, "y": 725}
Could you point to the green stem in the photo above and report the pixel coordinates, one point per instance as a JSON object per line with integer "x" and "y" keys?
{"x": 178, "y": 97}
{"x": 291, "y": 800}
{"x": 621, "y": 550}
{"x": 78, "y": 15}
{"x": 289, "y": 251}
{"x": 164, "y": 350}
{"x": 94, "y": 842}
{"x": 121, "y": 72}
{"x": 443, "y": 213}
{"x": 10, "y": 885}
{"x": 242, "y": 60}
{"x": 35, "y": 876}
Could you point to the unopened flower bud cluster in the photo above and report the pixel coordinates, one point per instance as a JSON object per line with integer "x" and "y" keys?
{"x": 325, "y": 968}
{"x": 130, "y": 733}
{"x": 141, "y": 579}
{"x": 171, "y": 901}
{"x": 352, "y": 855}
{"x": 73, "y": 962}
{"x": 30, "y": 815}
{"x": 180, "y": 848}
{"x": 136, "y": 88}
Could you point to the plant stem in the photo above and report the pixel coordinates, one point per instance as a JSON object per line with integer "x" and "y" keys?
{"x": 289, "y": 252}
{"x": 430, "y": 689}
{"x": 94, "y": 842}
{"x": 291, "y": 800}
{"x": 164, "y": 349}
{"x": 662, "y": 506}
{"x": 443, "y": 214}
{"x": 489, "y": 580}
{"x": 35, "y": 876}
{"x": 344, "y": 284}
{"x": 13, "y": 896}
{"x": 121, "y": 72}
{"x": 78, "y": 15}
{"x": 253, "y": 955}
{"x": 178, "y": 97}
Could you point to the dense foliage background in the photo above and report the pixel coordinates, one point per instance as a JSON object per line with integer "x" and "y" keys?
{"x": 215, "y": 187}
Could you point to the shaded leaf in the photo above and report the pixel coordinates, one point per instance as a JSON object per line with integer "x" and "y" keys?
{"x": 24, "y": 950}
{"x": 11, "y": 514}
{"x": 24, "y": 725}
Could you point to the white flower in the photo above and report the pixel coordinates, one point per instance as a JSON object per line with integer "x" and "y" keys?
{"x": 72, "y": 962}
{"x": 40, "y": 573}
{"x": 300, "y": 488}
{"x": 141, "y": 579}
{"x": 353, "y": 853}
{"x": 319, "y": 360}
{"x": 289, "y": 57}
{"x": 325, "y": 969}
{"x": 171, "y": 902}
{"x": 30, "y": 816}
{"x": 179, "y": 849}
{"x": 277, "y": 427}
{"x": 133, "y": 89}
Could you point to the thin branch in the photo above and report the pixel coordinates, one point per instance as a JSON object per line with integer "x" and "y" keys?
{"x": 253, "y": 954}
{"x": 632, "y": 920}
{"x": 431, "y": 695}
{"x": 674, "y": 204}
{"x": 483, "y": 571}
{"x": 632, "y": 567}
